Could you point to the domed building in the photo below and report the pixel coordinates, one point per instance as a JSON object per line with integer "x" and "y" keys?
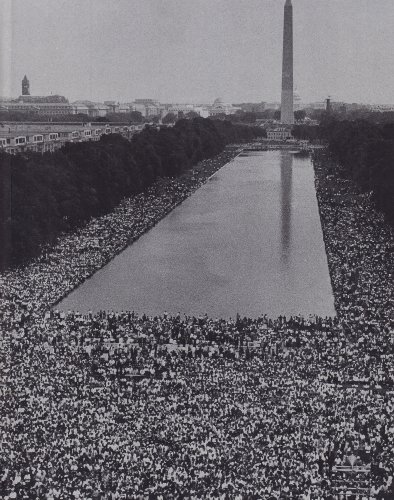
{"x": 218, "y": 102}
{"x": 221, "y": 108}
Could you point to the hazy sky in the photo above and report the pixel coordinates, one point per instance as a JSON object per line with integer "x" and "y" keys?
{"x": 196, "y": 50}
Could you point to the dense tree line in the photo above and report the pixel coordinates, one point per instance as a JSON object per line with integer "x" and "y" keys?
{"x": 365, "y": 152}
{"x": 378, "y": 117}
{"x": 308, "y": 132}
{"x": 56, "y": 192}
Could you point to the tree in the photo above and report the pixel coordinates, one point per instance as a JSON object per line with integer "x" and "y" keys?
{"x": 59, "y": 191}
{"x": 219, "y": 116}
{"x": 365, "y": 151}
{"x": 306, "y": 132}
{"x": 132, "y": 117}
{"x": 300, "y": 115}
{"x": 153, "y": 119}
{"x": 249, "y": 117}
{"x": 169, "y": 118}
{"x": 191, "y": 114}
{"x": 135, "y": 117}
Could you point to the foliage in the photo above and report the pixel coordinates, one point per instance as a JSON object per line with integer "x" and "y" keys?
{"x": 300, "y": 115}
{"x": 307, "y": 132}
{"x": 366, "y": 153}
{"x": 56, "y": 192}
{"x": 169, "y": 118}
{"x": 191, "y": 114}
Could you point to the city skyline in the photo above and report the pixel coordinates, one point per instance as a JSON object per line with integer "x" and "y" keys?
{"x": 178, "y": 51}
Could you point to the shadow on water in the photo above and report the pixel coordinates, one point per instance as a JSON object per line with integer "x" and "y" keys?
{"x": 286, "y": 180}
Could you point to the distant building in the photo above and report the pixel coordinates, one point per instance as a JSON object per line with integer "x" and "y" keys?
{"x": 252, "y": 107}
{"x": 113, "y": 106}
{"x": 153, "y": 110}
{"x": 203, "y": 111}
{"x": 124, "y": 108}
{"x": 43, "y": 137}
{"x": 42, "y": 105}
{"x": 340, "y": 107}
{"x": 102, "y": 109}
{"x": 54, "y": 108}
{"x": 180, "y": 108}
{"x": 147, "y": 107}
{"x": 39, "y": 108}
{"x": 317, "y": 105}
{"x": 336, "y": 106}
{"x": 147, "y": 102}
{"x": 381, "y": 107}
{"x": 36, "y": 99}
{"x": 92, "y": 109}
{"x": 272, "y": 105}
{"x": 79, "y": 108}
{"x": 19, "y": 107}
{"x": 25, "y": 86}
{"x": 140, "y": 108}
{"x": 219, "y": 108}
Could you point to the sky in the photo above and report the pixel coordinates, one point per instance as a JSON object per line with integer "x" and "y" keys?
{"x": 196, "y": 50}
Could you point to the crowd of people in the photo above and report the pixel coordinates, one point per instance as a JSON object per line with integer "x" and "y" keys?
{"x": 116, "y": 405}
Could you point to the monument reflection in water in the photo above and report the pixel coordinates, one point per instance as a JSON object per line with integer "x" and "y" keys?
{"x": 286, "y": 173}
{"x": 249, "y": 241}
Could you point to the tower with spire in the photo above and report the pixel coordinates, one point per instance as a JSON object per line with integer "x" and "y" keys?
{"x": 287, "y": 105}
{"x": 25, "y": 86}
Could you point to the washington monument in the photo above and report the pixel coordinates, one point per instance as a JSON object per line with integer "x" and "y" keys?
{"x": 287, "y": 109}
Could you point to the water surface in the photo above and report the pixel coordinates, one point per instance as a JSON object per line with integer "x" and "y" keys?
{"x": 249, "y": 241}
